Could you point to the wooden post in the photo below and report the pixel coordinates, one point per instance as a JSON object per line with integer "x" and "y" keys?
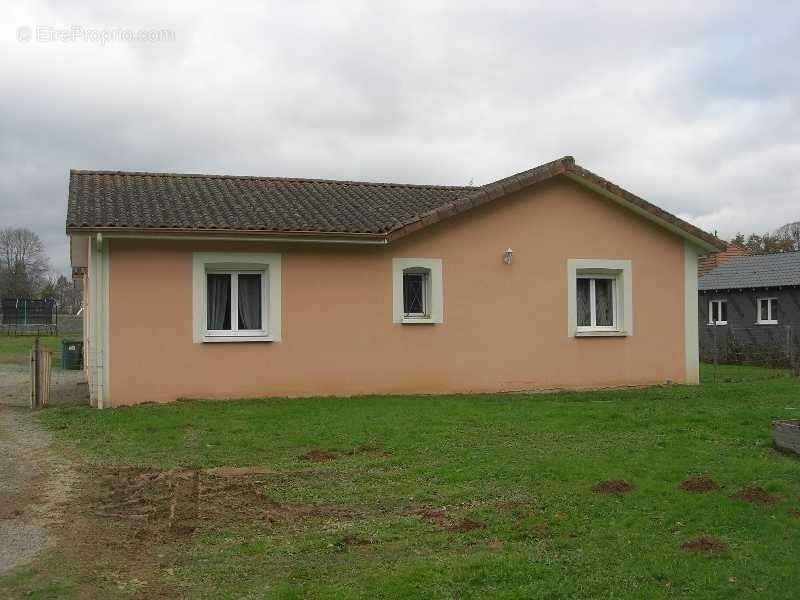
{"x": 44, "y": 363}
{"x": 35, "y": 374}
{"x": 41, "y": 362}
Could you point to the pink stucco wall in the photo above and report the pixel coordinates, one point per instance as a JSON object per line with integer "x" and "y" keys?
{"x": 505, "y": 327}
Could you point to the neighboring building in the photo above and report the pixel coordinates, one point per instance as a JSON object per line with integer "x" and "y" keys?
{"x": 218, "y": 286}
{"x": 749, "y": 309}
{"x": 708, "y": 263}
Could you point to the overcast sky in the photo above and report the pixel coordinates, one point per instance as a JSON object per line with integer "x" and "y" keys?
{"x": 692, "y": 105}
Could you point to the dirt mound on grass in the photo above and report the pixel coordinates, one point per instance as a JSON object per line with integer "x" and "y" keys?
{"x": 614, "y": 486}
{"x": 705, "y": 543}
{"x": 699, "y": 484}
{"x": 319, "y": 455}
{"x": 159, "y": 504}
{"x": 756, "y": 495}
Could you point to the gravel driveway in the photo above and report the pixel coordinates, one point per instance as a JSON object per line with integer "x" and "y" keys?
{"x": 35, "y": 484}
{"x": 35, "y": 479}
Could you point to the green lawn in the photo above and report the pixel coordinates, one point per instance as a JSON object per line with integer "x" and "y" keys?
{"x": 522, "y": 465}
{"x": 17, "y": 348}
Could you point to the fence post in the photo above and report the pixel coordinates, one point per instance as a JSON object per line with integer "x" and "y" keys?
{"x": 35, "y": 374}
{"x": 716, "y": 354}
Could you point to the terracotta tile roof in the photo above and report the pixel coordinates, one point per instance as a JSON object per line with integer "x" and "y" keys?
{"x": 106, "y": 199}
{"x": 705, "y": 264}
{"x": 159, "y": 202}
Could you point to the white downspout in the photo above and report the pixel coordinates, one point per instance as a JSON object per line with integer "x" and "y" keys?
{"x": 100, "y": 299}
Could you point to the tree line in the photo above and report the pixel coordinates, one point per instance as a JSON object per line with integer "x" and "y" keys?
{"x": 25, "y": 271}
{"x": 784, "y": 239}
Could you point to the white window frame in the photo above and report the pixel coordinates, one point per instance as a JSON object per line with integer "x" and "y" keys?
{"x": 771, "y": 318}
{"x": 426, "y": 291}
{"x": 620, "y": 271}
{"x": 718, "y": 301}
{"x": 593, "y": 326}
{"x": 234, "y": 330}
{"x": 433, "y": 296}
{"x": 235, "y": 263}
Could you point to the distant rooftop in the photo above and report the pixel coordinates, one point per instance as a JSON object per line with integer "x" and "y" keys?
{"x": 761, "y": 270}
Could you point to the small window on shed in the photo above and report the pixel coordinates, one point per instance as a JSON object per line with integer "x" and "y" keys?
{"x": 718, "y": 312}
{"x": 767, "y": 311}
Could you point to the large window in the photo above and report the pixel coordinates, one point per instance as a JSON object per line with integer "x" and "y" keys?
{"x": 237, "y": 297}
{"x": 600, "y": 297}
{"x": 597, "y": 302}
{"x": 235, "y": 303}
{"x": 718, "y": 312}
{"x": 417, "y": 290}
{"x": 768, "y": 311}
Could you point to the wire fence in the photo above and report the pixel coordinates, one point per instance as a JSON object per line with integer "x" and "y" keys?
{"x": 772, "y": 346}
{"x": 28, "y": 316}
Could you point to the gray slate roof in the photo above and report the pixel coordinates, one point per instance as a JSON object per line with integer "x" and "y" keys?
{"x": 763, "y": 270}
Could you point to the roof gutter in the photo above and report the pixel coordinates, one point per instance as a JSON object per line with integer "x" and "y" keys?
{"x": 164, "y": 233}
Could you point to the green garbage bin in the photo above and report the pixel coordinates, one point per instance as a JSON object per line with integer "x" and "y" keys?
{"x": 71, "y": 355}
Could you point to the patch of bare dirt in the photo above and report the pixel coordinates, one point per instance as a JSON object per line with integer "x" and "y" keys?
{"x": 159, "y": 504}
{"x": 437, "y": 516}
{"x": 319, "y": 455}
{"x": 793, "y": 512}
{"x": 10, "y": 507}
{"x": 350, "y": 540}
{"x": 614, "y": 486}
{"x": 705, "y": 543}
{"x": 228, "y": 471}
{"x": 699, "y": 484}
{"x": 465, "y": 525}
{"x": 756, "y": 495}
{"x": 371, "y": 450}
{"x": 446, "y": 521}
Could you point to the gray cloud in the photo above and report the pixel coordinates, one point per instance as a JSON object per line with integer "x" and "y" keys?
{"x": 691, "y": 105}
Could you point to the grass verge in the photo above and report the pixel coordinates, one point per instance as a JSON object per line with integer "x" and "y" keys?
{"x": 450, "y": 496}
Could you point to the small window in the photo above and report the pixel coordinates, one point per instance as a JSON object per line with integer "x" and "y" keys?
{"x": 417, "y": 296}
{"x": 597, "y": 302}
{"x": 768, "y": 311}
{"x": 416, "y": 293}
{"x": 718, "y": 312}
{"x": 235, "y": 303}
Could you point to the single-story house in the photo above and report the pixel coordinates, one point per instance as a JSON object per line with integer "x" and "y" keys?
{"x": 220, "y": 286}
{"x": 749, "y": 309}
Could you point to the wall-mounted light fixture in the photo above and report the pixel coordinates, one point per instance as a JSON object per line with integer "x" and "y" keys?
{"x": 508, "y": 256}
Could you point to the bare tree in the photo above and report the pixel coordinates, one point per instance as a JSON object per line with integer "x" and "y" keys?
{"x": 23, "y": 263}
